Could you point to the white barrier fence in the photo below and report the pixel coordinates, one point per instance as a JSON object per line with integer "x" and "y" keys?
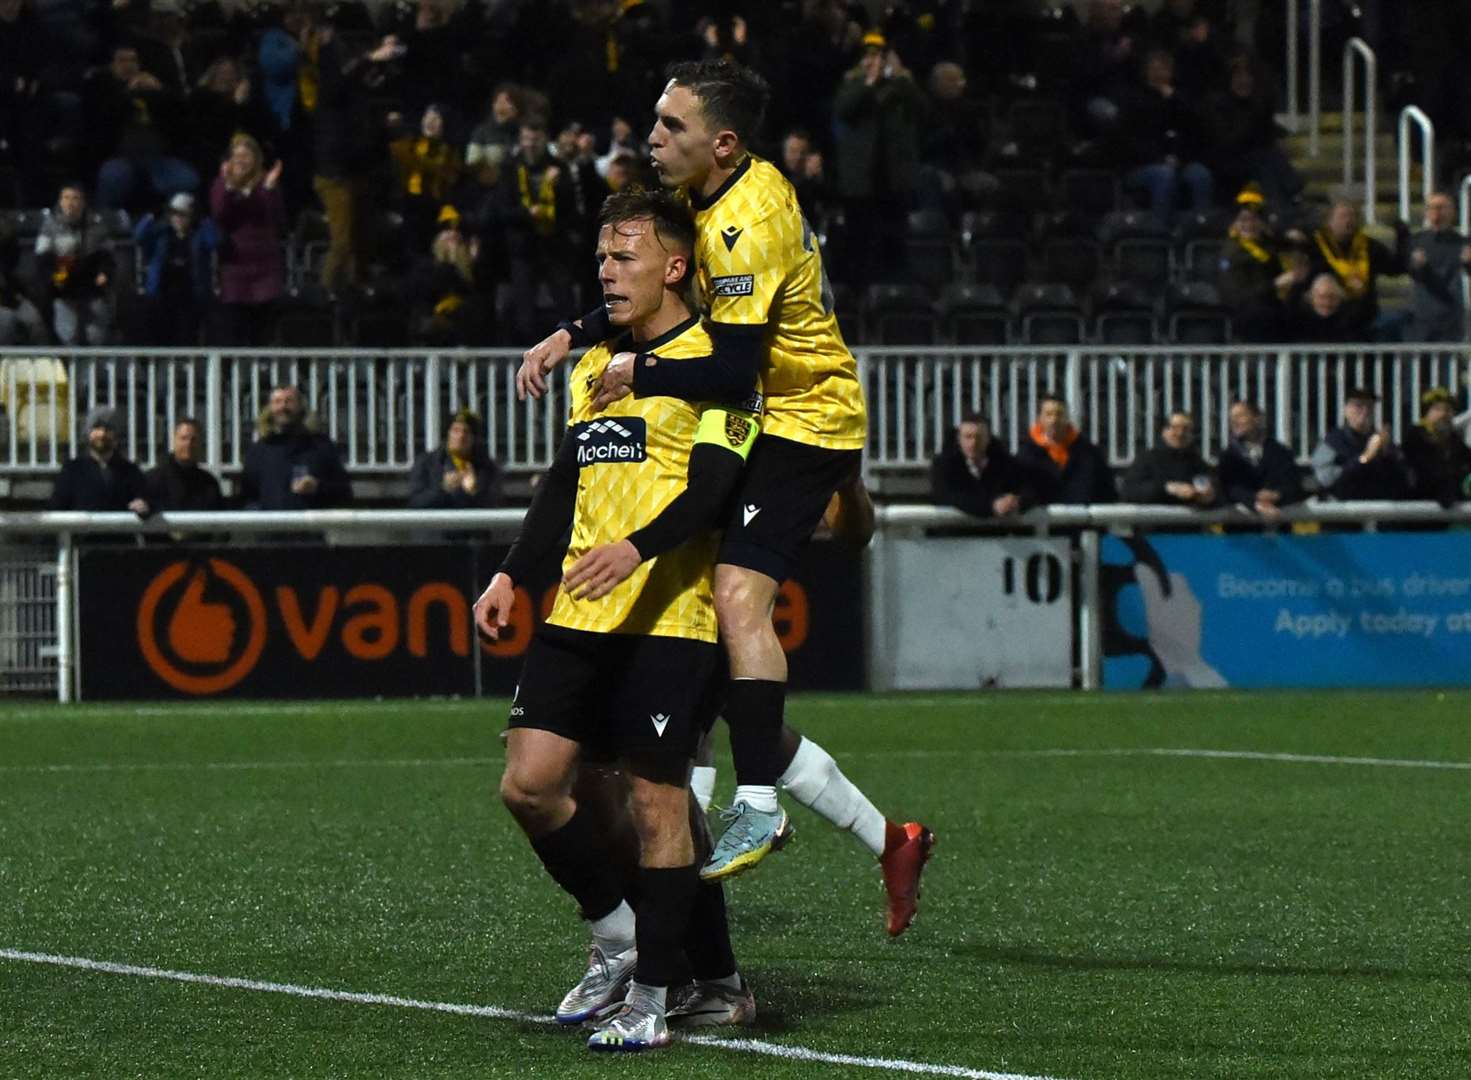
{"x": 38, "y": 599}
{"x": 386, "y": 408}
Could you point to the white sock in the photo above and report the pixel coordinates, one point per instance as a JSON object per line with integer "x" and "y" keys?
{"x": 757, "y": 797}
{"x": 613, "y": 933}
{"x": 702, "y": 783}
{"x": 815, "y": 781}
{"x": 659, "y": 995}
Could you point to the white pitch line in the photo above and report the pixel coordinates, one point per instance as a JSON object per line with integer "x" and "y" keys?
{"x": 888, "y": 755}
{"x": 749, "y": 1046}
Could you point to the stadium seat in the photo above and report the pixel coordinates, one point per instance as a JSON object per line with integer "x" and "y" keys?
{"x": 1125, "y": 328}
{"x": 1146, "y": 262}
{"x": 1202, "y": 260}
{"x": 900, "y": 314}
{"x": 1050, "y": 314}
{"x": 929, "y": 250}
{"x": 1130, "y": 225}
{"x": 1037, "y": 126}
{"x": 1197, "y": 316}
{"x": 306, "y": 249}
{"x": 1089, "y": 193}
{"x": 974, "y": 315}
{"x": 1022, "y": 189}
{"x": 307, "y": 320}
{"x": 978, "y": 225}
{"x": 1072, "y": 261}
{"x": 1002, "y": 263}
{"x": 1199, "y": 225}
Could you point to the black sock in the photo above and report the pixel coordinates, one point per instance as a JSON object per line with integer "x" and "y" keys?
{"x": 753, "y": 711}
{"x": 663, "y": 920}
{"x": 707, "y": 944}
{"x": 571, "y": 856}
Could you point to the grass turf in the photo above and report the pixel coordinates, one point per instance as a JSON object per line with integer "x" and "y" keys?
{"x": 1086, "y": 915}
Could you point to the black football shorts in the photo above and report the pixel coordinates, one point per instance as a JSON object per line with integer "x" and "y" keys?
{"x": 616, "y": 694}
{"x": 784, "y": 492}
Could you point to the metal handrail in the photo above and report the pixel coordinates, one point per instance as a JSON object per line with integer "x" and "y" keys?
{"x": 1371, "y": 79}
{"x": 1293, "y": 120}
{"x": 1315, "y": 74}
{"x": 1413, "y": 113}
{"x": 1465, "y": 195}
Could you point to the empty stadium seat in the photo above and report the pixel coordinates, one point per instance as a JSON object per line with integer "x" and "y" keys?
{"x": 1090, "y": 193}
{"x": 1202, "y": 260}
{"x": 972, "y": 314}
{"x": 1148, "y": 262}
{"x": 1002, "y": 263}
{"x": 1073, "y": 261}
{"x": 899, "y": 314}
{"x": 929, "y": 249}
{"x": 1125, "y": 328}
{"x": 1050, "y": 314}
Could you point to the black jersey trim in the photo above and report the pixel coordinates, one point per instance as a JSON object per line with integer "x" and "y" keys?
{"x": 701, "y": 202}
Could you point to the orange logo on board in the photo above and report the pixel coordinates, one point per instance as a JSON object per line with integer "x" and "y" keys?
{"x": 190, "y": 628}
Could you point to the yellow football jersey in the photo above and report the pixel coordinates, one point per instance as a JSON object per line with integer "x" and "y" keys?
{"x": 634, "y": 459}
{"x": 759, "y": 265}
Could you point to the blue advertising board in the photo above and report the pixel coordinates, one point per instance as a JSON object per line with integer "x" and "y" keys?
{"x": 1339, "y": 609}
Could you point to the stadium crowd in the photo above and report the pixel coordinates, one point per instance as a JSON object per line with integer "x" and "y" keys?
{"x": 426, "y": 173}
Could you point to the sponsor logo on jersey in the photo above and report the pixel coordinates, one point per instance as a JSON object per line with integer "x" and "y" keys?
{"x": 733, "y": 285}
{"x": 619, "y": 441}
{"x": 737, "y": 429}
{"x": 730, "y": 234}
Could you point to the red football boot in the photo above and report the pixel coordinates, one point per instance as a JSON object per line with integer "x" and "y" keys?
{"x": 906, "y": 849}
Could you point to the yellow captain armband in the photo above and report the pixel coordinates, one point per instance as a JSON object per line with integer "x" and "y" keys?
{"x": 732, "y": 429}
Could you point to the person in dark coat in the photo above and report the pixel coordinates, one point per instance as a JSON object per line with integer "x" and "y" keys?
{"x": 178, "y": 272}
{"x": 292, "y": 467}
{"x": 1256, "y": 273}
{"x": 1436, "y": 453}
{"x": 1063, "y": 466}
{"x": 1244, "y": 140}
{"x": 1319, "y": 314}
{"x": 977, "y": 475}
{"x": 179, "y": 482}
{"x": 1438, "y": 261}
{"x": 1255, "y": 471}
{"x": 459, "y": 475}
{"x": 251, "y": 218}
{"x": 1357, "y": 261}
{"x": 1358, "y": 461}
{"x": 1172, "y": 473}
{"x": 100, "y": 479}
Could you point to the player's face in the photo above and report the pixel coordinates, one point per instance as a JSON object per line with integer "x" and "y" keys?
{"x": 681, "y": 144}
{"x": 186, "y": 444}
{"x": 633, "y": 268}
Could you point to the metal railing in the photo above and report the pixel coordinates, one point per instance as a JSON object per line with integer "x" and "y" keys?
{"x": 1413, "y": 114}
{"x": 1315, "y": 68}
{"x": 384, "y": 409}
{"x": 1371, "y": 81}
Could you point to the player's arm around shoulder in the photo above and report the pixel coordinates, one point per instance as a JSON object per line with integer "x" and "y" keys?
{"x": 723, "y": 442}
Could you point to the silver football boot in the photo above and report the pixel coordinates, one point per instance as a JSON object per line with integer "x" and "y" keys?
{"x": 639, "y": 1025}
{"x": 708, "y": 1004}
{"x": 601, "y": 989}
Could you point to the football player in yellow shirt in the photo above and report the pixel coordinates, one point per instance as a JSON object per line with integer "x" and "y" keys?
{"x": 626, "y": 675}
{"x": 769, "y": 315}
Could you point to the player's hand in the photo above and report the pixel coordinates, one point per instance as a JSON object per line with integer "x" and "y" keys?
{"x": 601, "y": 570}
{"x": 616, "y": 381}
{"x": 531, "y": 376}
{"x": 493, "y": 609}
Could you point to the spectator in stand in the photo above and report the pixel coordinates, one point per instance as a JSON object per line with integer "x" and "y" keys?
{"x": 20, "y": 321}
{"x": 1190, "y": 37}
{"x": 126, "y": 103}
{"x": 1257, "y": 273}
{"x": 74, "y": 265}
{"x": 976, "y": 474}
{"x": 179, "y": 482}
{"x": 292, "y": 466}
{"x": 1356, "y": 460}
{"x": 825, "y": 43}
{"x": 459, "y": 475}
{"x": 574, "y": 151}
{"x": 428, "y": 168}
{"x": 623, "y": 141}
{"x": 22, "y": 104}
{"x": 952, "y": 178}
{"x": 1103, "y": 68}
{"x": 1243, "y": 138}
{"x": 451, "y": 312}
{"x": 218, "y": 108}
{"x": 1318, "y": 314}
{"x": 278, "y": 115}
{"x": 535, "y": 211}
{"x": 100, "y": 479}
{"x": 1172, "y": 473}
{"x": 876, "y": 117}
{"x": 1343, "y": 249}
{"x": 1063, "y": 466}
{"x": 166, "y": 49}
{"x": 1256, "y": 472}
{"x": 1439, "y": 257}
{"x": 346, "y": 150}
{"x": 495, "y": 137}
{"x": 1436, "y": 452}
{"x": 178, "y": 256}
{"x": 251, "y": 218}
{"x": 1165, "y": 143}
{"x": 803, "y": 167}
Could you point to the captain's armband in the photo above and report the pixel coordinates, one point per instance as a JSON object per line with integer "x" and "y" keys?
{"x": 729, "y": 428}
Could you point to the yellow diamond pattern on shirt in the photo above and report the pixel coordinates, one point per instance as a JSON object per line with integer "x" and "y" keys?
{"x": 772, "y": 276}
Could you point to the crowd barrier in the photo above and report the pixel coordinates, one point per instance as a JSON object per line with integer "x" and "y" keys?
{"x": 933, "y": 603}
{"x": 384, "y": 408}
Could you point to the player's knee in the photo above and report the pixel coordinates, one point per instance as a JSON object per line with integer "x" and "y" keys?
{"x": 740, "y": 606}
{"x": 660, "y": 812}
{"x": 529, "y": 803}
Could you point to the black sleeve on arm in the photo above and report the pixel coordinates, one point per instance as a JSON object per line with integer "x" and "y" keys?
{"x": 713, "y": 474}
{"x": 595, "y": 327}
{"x": 728, "y": 374}
{"x": 548, "y": 517}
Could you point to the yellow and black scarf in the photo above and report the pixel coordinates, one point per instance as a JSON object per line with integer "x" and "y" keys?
{"x": 546, "y": 196}
{"x": 1352, "y": 268}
